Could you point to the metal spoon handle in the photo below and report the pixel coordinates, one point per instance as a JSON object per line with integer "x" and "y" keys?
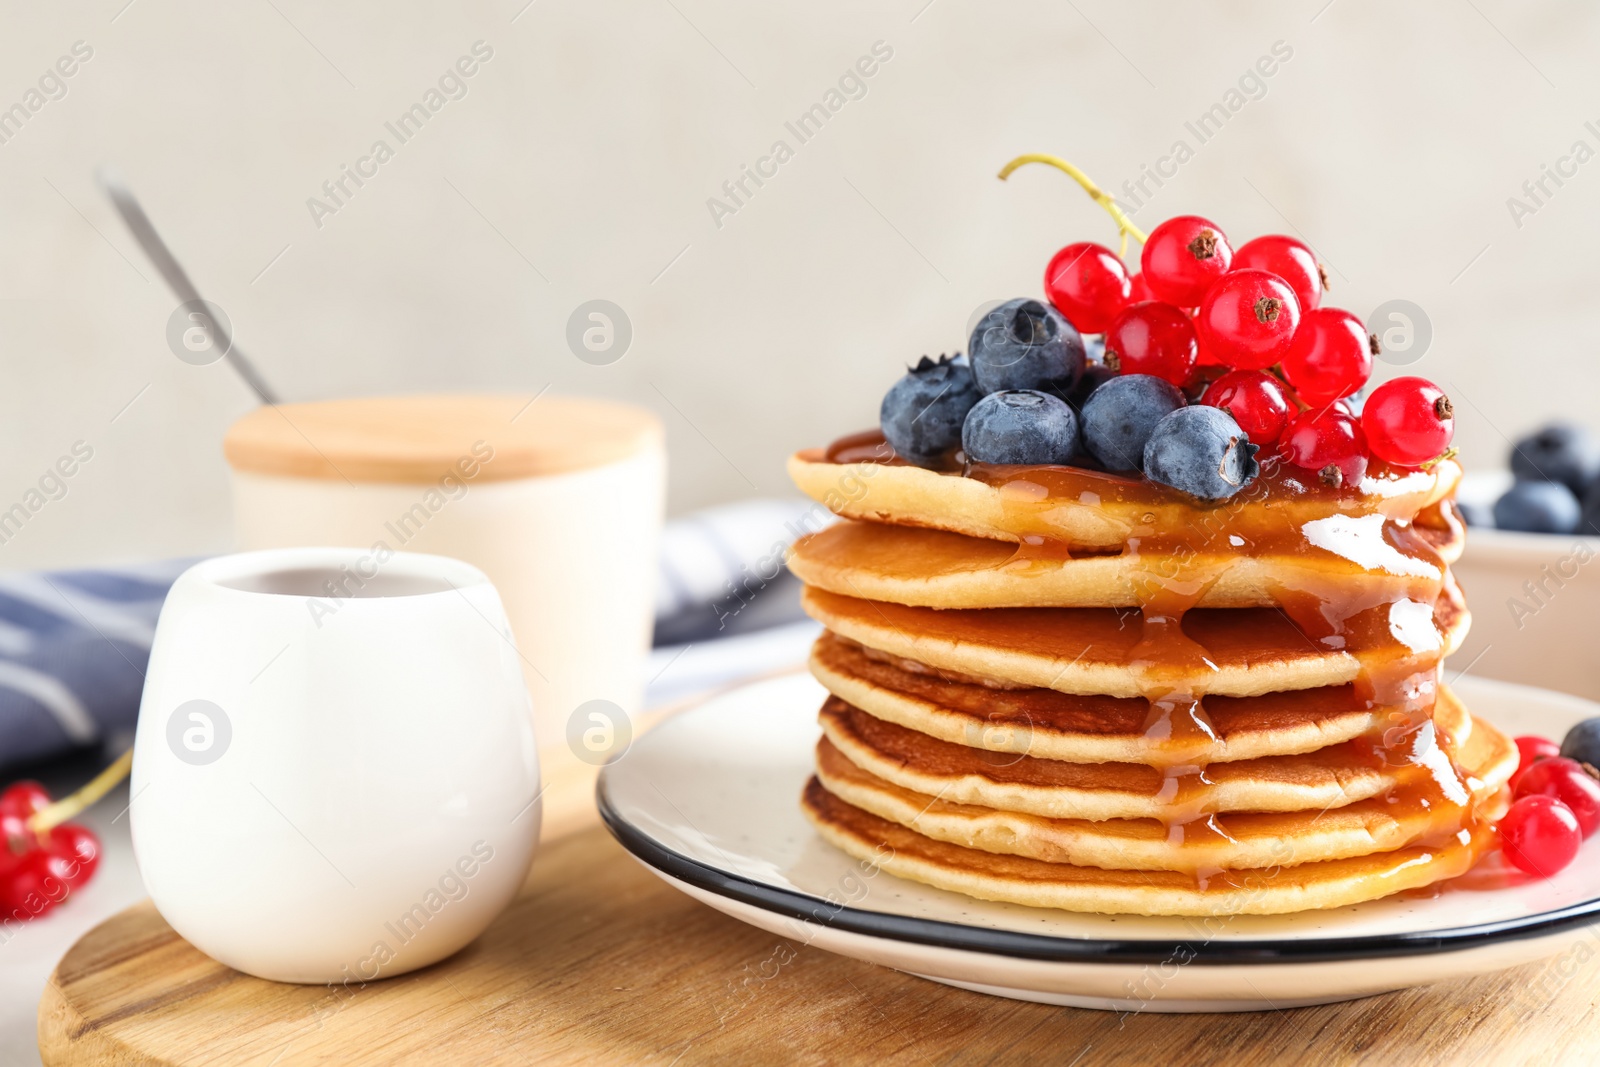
{"x": 177, "y": 280}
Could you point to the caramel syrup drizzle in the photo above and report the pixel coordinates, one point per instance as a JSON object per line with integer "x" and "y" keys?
{"x": 1335, "y": 611}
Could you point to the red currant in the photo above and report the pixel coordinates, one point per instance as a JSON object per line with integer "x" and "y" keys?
{"x": 25, "y": 797}
{"x": 1530, "y": 750}
{"x": 1256, "y": 400}
{"x": 1329, "y": 358}
{"x": 1329, "y": 442}
{"x": 1249, "y": 318}
{"x": 1088, "y": 284}
{"x": 81, "y": 847}
{"x": 1290, "y": 260}
{"x": 1567, "y": 781}
{"x": 1408, "y": 421}
{"x": 33, "y": 886}
{"x": 1152, "y": 338}
{"x": 1138, "y": 291}
{"x": 1182, "y": 257}
{"x": 18, "y": 804}
{"x": 1540, "y": 835}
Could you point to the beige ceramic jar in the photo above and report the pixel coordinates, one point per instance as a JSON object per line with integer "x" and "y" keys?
{"x": 557, "y": 499}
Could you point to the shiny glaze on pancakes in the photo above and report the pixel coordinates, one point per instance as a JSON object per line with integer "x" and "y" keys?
{"x": 1283, "y": 887}
{"x": 1085, "y": 728}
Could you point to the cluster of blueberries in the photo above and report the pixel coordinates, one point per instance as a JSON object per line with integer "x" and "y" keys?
{"x": 1028, "y": 393}
{"x": 1557, "y": 487}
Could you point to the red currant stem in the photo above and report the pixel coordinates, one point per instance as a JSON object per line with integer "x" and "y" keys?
{"x": 46, "y": 819}
{"x": 1125, "y": 226}
{"x": 1450, "y": 453}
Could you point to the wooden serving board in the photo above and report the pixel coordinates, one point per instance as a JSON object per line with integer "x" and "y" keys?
{"x": 600, "y": 962}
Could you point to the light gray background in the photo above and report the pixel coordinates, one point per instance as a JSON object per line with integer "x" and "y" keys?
{"x": 580, "y": 162}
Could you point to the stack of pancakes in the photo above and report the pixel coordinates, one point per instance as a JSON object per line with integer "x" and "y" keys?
{"x": 1080, "y": 690}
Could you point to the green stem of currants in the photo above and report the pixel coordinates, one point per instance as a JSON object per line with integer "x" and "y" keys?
{"x": 1125, "y": 226}
{"x": 46, "y": 819}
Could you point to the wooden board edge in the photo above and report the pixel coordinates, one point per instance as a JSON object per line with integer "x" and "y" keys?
{"x": 66, "y": 1038}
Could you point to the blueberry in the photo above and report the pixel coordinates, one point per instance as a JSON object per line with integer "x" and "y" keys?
{"x": 1537, "y": 507}
{"x": 1589, "y": 521}
{"x": 1201, "y": 451}
{"x": 1561, "y": 452}
{"x": 1582, "y": 742}
{"x": 1118, "y": 418}
{"x": 1020, "y": 426}
{"x": 921, "y": 414}
{"x": 1026, "y": 344}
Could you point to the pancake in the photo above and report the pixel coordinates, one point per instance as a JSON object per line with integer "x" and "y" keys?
{"x": 934, "y": 568}
{"x": 1327, "y": 778}
{"x": 1272, "y": 890}
{"x": 1063, "y": 687}
{"x": 1231, "y": 840}
{"x": 1087, "y": 729}
{"x": 1094, "y": 509}
{"x": 1106, "y": 651}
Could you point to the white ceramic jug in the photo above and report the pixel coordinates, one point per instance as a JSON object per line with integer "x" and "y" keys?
{"x": 334, "y": 776}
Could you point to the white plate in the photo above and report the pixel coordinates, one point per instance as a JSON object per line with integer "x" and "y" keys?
{"x": 710, "y": 801}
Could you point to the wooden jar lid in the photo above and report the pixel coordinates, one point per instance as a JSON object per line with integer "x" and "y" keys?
{"x": 423, "y": 438}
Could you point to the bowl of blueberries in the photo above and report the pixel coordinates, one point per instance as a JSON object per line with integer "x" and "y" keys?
{"x": 1530, "y": 568}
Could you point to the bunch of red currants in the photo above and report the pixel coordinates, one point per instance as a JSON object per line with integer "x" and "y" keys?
{"x": 1555, "y": 805}
{"x": 1247, "y": 326}
{"x": 39, "y": 870}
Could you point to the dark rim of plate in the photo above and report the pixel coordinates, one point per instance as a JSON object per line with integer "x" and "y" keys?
{"x": 1021, "y": 945}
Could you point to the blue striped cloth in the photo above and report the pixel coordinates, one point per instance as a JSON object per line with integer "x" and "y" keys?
{"x": 73, "y": 647}
{"x": 74, "y": 644}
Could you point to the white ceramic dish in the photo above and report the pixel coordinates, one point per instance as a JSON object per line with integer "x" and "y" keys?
{"x": 1530, "y": 593}
{"x": 709, "y": 800}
